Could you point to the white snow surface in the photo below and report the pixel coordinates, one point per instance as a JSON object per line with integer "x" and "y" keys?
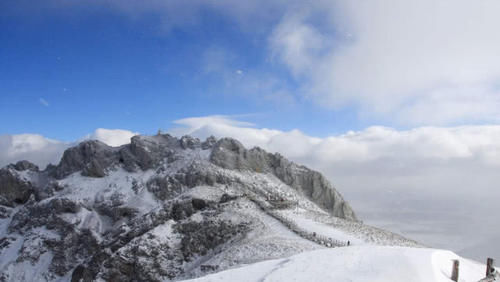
{"x": 356, "y": 263}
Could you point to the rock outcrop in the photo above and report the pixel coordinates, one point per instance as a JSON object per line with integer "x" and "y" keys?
{"x": 90, "y": 157}
{"x": 230, "y": 154}
{"x": 25, "y": 165}
{"x": 14, "y": 190}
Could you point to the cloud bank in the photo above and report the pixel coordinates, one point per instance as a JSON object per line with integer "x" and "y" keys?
{"x": 33, "y": 147}
{"x": 480, "y": 144}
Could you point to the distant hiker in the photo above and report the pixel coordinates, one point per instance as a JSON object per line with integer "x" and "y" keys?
{"x": 348, "y": 243}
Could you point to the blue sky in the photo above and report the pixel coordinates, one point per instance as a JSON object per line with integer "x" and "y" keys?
{"x": 323, "y": 67}
{"x": 65, "y": 73}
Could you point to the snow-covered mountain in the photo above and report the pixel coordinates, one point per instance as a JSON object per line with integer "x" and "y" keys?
{"x": 163, "y": 208}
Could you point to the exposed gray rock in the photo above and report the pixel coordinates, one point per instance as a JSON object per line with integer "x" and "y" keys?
{"x": 13, "y": 189}
{"x": 201, "y": 237}
{"x": 208, "y": 143}
{"x": 147, "y": 152}
{"x": 188, "y": 142}
{"x": 313, "y": 185}
{"x": 71, "y": 250}
{"x": 227, "y": 198}
{"x": 92, "y": 158}
{"x": 231, "y": 154}
{"x": 46, "y": 213}
{"x": 199, "y": 204}
{"x": 115, "y": 208}
{"x": 4, "y": 212}
{"x": 165, "y": 187}
{"x": 63, "y": 205}
{"x": 48, "y": 190}
{"x": 182, "y": 210}
{"x": 25, "y": 165}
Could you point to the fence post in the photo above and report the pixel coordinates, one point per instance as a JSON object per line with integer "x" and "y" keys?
{"x": 489, "y": 266}
{"x": 454, "y": 271}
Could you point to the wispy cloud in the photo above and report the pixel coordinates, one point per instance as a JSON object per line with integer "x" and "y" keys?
{"x": 413, "y": 62}
{"x": 43, "y": 102}
{"x": 257, "y": 84}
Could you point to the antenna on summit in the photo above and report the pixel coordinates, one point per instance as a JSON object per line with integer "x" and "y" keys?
{"x": 159, "y": 132}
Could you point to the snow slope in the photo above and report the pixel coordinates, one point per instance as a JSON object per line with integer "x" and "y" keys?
{"x": 356, "y": 263}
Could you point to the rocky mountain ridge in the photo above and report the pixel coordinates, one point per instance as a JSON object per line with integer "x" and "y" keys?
{"x": 160, "y": 208}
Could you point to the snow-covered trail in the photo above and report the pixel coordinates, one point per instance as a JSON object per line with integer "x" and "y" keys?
{"x": 357, "y": 263}
{"x": 343, "y": 230}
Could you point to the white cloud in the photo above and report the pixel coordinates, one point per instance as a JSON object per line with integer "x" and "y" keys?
{"x": 112, "y": 137}
{"x": 33, "y": 147}
{"x": 425, "y": 62}
{"x": 222, "y": 126}
{"x": 373, "y": 143}
{"x": 298, "y": 43}
{"x": 258, "y": 85}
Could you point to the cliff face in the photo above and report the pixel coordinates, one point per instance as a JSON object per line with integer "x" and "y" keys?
{"x": 159, "y": 208}
{"x": 230, "y": 154}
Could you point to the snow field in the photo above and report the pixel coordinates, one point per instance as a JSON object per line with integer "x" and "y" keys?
{"x": 356, "y": 263}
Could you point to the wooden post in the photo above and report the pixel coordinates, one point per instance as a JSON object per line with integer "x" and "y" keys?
{"x": 454, "y": 271}
{"x": 489, "y": 266}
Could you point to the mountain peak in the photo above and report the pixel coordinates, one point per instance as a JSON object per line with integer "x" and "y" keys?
{"x": 165, "y": 208}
